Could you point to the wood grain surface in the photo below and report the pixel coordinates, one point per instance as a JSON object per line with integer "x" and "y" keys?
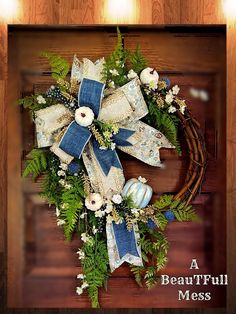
{"x": 153, "y": 12}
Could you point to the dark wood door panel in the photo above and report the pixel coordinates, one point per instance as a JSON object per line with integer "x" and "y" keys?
{"x": 189, "y": 60}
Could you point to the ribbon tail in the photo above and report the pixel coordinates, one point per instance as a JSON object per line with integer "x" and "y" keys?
{"x": 107, "y": 185}
{"x": 145, "y": 143}
{"x": 106, "y": 158}
{"x": 123, "y": 245}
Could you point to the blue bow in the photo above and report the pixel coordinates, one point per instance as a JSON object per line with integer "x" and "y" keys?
{"x": 76, "y": 136}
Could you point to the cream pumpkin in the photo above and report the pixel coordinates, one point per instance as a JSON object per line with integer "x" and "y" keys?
{"x": 140, "y": 191}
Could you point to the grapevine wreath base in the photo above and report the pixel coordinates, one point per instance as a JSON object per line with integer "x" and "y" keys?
{"x": 80, "y": 124}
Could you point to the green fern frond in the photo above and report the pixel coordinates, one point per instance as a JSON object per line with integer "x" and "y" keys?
{"x": 138, "y": 274}
{"x": 186, "y": 214}
{"x": 160, "y": 220}
{"x": 164, "y": 201}
{"x": 59, "y": 66}
{"x": 137, "y": 60}
{"x": 150, "y": 277}
{"x": 72, "y": 200}
{"x": 165, "y": 123}
{"x": 116, "y": 62}
{"x": 36, "y": 164}
{"x": 95, "y": 268}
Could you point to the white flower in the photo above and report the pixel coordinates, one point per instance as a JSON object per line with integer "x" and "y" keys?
{"x": 63, "y": 166}
{"x": 81, "y": 254}
{"x": 109, "y": 207}
{"x": 103, "y": 147}
{"x": 99, "y": 213}
{"x": 142, "y": 179}
{"x": 84, "y": 285}
{"x": 182, "y": 109}
{"x": 175, "y": 90}
{"x": 57, "y": 212}
{"x": 41, "y": 99}
{"x": 60, "y": 222}
{"x": 114, "y": 72}
{"x": 153, "y": 85}
{"x": 132, "y": 74}
{"x": 79, "y": 290}
{"x": 95, "y": 230}
{"x": 148, "y": 75}
{"x": 113, "y": 146}
{"x": 171, "y": 109}
{"x": 61, "y": 173}
{"x": 84, "y": 116}
{"x": 135, "y": 211}
{"x": 94, "y": 201}
{"x": 84, "y": 237}
{"x": 169, "y": 98}
{"x": 117, "y": 198}
{"x": 111, "y": 84}
{"x": 80, "y": 276}
{"x": 82, "y": 216}
{"x": 67, "y": 186}
{"x": 109, "y": 219}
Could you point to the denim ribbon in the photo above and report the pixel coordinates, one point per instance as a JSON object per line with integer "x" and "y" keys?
{"x": 125, "y": 240}
{"x": 76, "y": 137}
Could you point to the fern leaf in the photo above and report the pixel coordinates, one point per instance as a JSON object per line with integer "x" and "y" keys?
{"x": 116, "y": 62}
{"x": 164, "y": 201}
{"x": 137, "y": 60}
{"x": 36, "y": 164}
{"x": 59, "y": 66}
{"x": 165, "y": 123}
{"x": 186, "y": 214}
{"x": 137, "y": 271}
{"x": 161, "y": 221}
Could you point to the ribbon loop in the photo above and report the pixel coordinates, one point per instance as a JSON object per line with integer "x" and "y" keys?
{"x": 75, "y": 139}
{"x": 90, "y": 95}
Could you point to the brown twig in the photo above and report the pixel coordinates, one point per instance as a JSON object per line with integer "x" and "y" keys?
{"x": 197, "y": 157}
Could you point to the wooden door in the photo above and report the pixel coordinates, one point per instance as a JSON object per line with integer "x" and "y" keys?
{"x": 42, "y": 267}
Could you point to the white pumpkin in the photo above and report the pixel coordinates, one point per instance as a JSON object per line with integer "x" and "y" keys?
{"x": 149, "y": 75}
{"x": 141, "y": 193}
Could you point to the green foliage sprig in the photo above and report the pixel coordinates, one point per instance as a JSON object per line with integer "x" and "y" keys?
{"x": 155, "y": 245}
{"x": 31, "y": 103}
{"x": 72, "y": 200}
{"x": 115, "y": 69}
{"x": 166, "y": 123}
{"x": 59, "y": 66}
{"x": 137, "y": 60}
{"x": 36, "y": 164}
{"x": 95, "y": 267}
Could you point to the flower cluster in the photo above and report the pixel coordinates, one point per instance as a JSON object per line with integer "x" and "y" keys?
{"x": 103, "y": 133}
{"x": 84, "y": 284}
{"x": 159, "y": 90}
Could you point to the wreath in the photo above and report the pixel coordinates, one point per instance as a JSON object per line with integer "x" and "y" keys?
{"x": 113, "y": 104}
